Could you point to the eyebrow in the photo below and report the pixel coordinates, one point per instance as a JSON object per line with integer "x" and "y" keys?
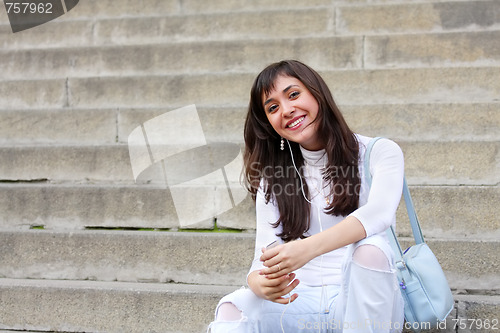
{"x": 284, "y": 90}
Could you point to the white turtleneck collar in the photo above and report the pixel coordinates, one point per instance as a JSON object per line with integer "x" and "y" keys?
{"x": 317, "y": 158}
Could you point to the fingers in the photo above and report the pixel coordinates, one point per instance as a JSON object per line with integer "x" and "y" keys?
{"x": 282, "y": 281}
{"x": 275, "y": 270}
{"x": 269, "y": 253}
{"x": 277, "y": 288}
{"x": 284, "y": 300}
{"x": 275, "y": 275}
{"x": 280, "y": 296}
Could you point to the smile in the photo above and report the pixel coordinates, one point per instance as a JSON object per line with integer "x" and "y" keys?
{"x": 296, "y": 122}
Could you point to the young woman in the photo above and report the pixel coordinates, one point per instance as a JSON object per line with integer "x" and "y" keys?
{"x": 330, "y": 267}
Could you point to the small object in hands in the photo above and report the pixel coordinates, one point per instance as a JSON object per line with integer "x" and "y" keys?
{"x": 273, "y": 244}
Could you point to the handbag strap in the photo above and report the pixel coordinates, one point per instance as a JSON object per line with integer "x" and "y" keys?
{"x": 415, "y": 225}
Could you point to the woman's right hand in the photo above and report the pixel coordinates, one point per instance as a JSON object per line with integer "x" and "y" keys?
{"x": 273, "y": 290}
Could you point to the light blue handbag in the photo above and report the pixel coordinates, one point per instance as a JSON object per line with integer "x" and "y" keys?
{"x": 426, "y": 293}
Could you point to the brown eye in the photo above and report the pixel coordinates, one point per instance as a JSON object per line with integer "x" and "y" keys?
{"x": 294, "y": 95}
{"x": 272, "y": 108}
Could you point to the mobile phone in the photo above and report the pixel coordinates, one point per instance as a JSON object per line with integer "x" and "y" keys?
{"x": 273, "y": 244}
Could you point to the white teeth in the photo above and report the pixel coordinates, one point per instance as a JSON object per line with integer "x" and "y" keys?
{"x": 296, "y": 122}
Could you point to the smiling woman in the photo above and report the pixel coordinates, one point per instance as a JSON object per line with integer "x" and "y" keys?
{"x": 292, "y": 110}
{"x": 326, "y": 226}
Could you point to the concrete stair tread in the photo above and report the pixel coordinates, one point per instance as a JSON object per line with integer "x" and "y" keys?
{"x": 171, "y": 58}
{"x": 312, "y": 20}
{"x": 431, "y": 49}
{"x": 354, "y": 87}
{"x": 437, "y": 122}
{"x": 200, "y": 258}
{"x": 24, "y": 331}
{"x": 466, "y": 163}
{"x": 107, "y": 8}
{"x": 129, "y": 256}
{"x": 443, "y": 211}
{"x": 118, "y": 307}
{"x": 376, "y": 19}
{"x": 108, "y": 306}
{"x": 158, "y": 29}
{"x": 171, "y": 288}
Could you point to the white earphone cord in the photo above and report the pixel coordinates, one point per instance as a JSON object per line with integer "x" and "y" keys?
{"x": 321, "y": 262}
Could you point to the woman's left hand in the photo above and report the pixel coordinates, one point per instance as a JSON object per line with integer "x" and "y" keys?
{"x": 285, "y": 258}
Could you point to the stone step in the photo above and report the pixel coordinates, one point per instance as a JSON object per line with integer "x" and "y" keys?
{"x": 200, "y": 258}
{"x": 349, "y": 52}
{"x": 376, "y": 19}
{"x": 108, "y": 8}
{"x": 442, "y": 210}
{"x": 430, "y": 122}
{"x": 401, "y": 122}
{"x": 74, "y": 206}
{"x": 235, "y": 5}
{"x": 58, "y": 126}
{"x": 128, "y": 256}
{"x": 433, "y": 49}
{"x": 89, "y": 306}
{"x": 143, "y": 29}
{"x": 132, "y": 307}
{"x": 356, "y": 87}
{"x": 104, "y": 23}
{"x": 24, "y": 331}
{"x": 452, "y": 163}
{"x": 195, "y": 57}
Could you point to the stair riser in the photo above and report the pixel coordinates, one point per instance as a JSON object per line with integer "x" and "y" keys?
{"x": 455, "y": 49}
{"x": 450, "y": 49}
{"x": 184, "y": 58}
{"x": 418, "y": 17}
{"x": 443, "y": 85}
{"x": 135, "y": 29}
{"x": 219, "y": 259}
{"x": 442, "y": 210}
{"x": 58, "y": 127}
{"x": 106, "y": 310}
{"x": 401, "y": 122}
{"x": 313, "y": 19}
{"x": 472, "y": 163}
{"x": 34, "y": 306}
{"x": 429, "y": 122}
{"x": 194, "y": 258}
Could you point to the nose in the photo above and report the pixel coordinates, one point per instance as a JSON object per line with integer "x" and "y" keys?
{"x": 288, "y": 110}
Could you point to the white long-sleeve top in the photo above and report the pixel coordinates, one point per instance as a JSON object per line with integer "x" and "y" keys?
{"x": 376, "y": 212}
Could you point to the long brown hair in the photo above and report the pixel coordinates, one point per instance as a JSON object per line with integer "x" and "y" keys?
{"x": 267, "y": 166}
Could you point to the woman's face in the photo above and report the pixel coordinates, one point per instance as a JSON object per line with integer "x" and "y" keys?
{"x": 291, "y": 109}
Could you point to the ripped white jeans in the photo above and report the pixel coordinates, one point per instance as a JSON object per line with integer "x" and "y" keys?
{"x": 369, "y": 300}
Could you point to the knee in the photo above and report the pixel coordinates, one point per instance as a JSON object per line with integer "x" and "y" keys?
{"x": 370, "y": 256}
{"x": 228, "y": 312}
